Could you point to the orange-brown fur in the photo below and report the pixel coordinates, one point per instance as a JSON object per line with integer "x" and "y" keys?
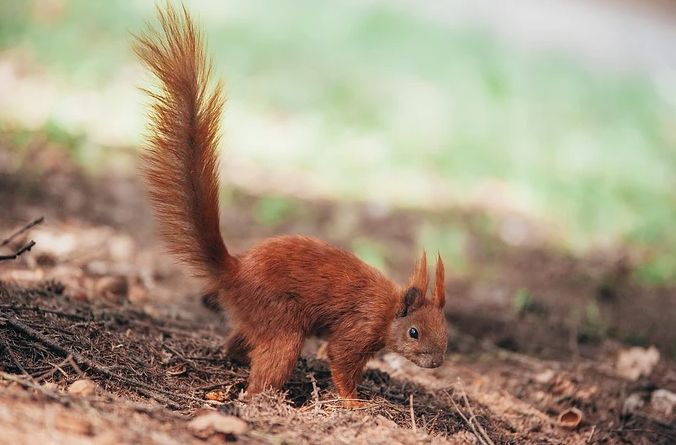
{"x": 285, "y": 288}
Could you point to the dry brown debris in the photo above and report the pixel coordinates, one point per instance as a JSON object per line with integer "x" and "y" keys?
{"x": 48, "y": 337}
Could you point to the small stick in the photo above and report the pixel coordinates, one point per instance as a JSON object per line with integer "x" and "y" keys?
{"x": 181, "y": 356}
{"x": 159, "y": 398}
{"x": 414, "y": 427}
{"x": 591, "y": 434}
{"x": 16, "y": 361}
{"x": 16, "y": 254}
{"x": 473, "y": 416}
{"x": 57, "y": 367}
{"x": 467, "y": 421}
{"x": 315, "y": 391}
{"x": 22, "y": 230}
{"x": 47, "y": 374}
{"x": 75, "y": 366}
{"x": 470, "y": 424}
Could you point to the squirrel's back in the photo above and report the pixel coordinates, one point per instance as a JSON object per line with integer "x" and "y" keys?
{"x": 310, "y": 282}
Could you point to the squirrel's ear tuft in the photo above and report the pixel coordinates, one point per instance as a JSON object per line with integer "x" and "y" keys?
{"x": 419, "y": 278}
{"x": 439, "y": 296}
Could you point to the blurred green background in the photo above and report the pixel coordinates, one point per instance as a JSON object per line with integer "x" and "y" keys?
{"x": 375, "y": 101}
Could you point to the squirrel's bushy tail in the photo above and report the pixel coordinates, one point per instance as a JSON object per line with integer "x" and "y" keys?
{"x": 180, "y": 163}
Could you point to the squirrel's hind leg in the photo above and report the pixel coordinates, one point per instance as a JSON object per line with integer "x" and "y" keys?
{"x": 272, "y": 361}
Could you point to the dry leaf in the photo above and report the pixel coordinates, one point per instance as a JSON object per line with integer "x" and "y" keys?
{"x": 177, "y": 370}
{"x": 217, "y": 396}
{"x": 570, "y": 418}
{"x": 138, "y": 293}
{"x": 562, "y": 386}
{"x": 114, "y": 288}
{"x": 585, "y": 394}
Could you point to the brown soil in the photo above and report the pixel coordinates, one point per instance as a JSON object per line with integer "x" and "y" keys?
{"x": 96, "y": 298}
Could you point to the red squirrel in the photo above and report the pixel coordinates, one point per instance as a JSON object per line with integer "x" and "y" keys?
{"x": 287, "y": 287}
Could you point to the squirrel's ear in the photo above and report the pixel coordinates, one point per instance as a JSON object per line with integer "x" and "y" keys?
{"x": 419, "y": 278}
{"x": 412, "y": 299}
{"x": 417, "y": 288}
{"x": 439, "y": 296}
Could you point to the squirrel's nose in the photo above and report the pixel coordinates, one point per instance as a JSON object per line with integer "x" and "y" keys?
{"x": 437, "y": 361}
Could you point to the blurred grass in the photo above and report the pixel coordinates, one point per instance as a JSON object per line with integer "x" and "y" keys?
{"x": 368, "y": 96}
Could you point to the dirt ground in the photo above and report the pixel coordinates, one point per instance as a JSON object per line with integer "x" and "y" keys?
{"x": 103, "y": 339}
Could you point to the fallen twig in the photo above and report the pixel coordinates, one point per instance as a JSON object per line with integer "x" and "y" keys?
{"x": 57, "y": 367}
{"x": 16, "y": 362}
{"x": 469, "y": 424}
{"x": 473, "y": 416}
{"x": 482, "y": 438}
{"x": 22, "y": 230}
{"x": 16, "y": 254}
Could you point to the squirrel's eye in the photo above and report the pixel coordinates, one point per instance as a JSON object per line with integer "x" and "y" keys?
{"x": 413, "y": 333}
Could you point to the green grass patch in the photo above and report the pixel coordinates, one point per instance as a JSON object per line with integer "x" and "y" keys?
{"x": 372, "y": 98}
{"x": 274, "y": 210}
{"x": 370, "y": 252}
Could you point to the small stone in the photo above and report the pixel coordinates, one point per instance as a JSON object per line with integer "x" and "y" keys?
{"x": 50, "y": 386}
{"x": 632, "y": 403}
{"x": 82, "y": 387}
{"x": 213, "y": 422}
{"x": 663, "y": 401}
{"x": 545, "y": 376}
